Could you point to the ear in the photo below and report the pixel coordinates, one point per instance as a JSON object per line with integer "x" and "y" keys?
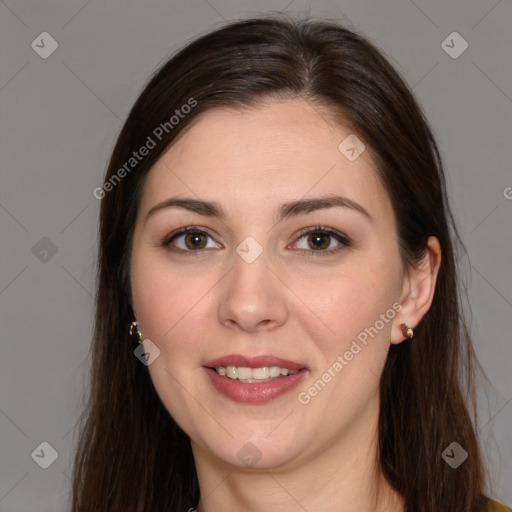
{"x": 418, "y": 289}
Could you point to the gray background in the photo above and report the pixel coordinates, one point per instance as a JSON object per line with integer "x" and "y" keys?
{"x": 60, "y": 117}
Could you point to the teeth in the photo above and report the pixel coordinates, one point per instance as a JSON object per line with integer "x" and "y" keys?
{"x": 274, "y": 371}
{"x": 242, "y": 373}
{"x": 262, "y": 374}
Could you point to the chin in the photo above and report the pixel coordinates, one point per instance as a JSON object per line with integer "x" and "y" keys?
{"x": 259, "y": 451}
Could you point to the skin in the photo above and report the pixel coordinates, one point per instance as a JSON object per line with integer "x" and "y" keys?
{"x": 196, "y": 307}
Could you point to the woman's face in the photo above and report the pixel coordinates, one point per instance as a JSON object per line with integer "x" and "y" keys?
{"x": 306, "y": 289}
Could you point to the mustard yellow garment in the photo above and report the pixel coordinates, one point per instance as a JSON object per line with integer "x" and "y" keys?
{"x": 494, "y": 506}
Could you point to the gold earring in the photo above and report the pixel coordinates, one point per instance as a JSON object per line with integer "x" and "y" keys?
{"x": 407, "y": 331}
{"x": 135, "y": 331}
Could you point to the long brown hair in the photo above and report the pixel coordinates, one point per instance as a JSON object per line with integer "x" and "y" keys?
{"x": 131, "y": 455}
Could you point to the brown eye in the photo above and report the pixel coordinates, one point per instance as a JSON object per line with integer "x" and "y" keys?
{"x": 195, "y": 240}
{"x": 189, "y": 239}
{"x": 319, "y": 239}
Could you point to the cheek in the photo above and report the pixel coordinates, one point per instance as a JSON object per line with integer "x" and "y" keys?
{"x": 174, "y": 308}
{"x": 160, "y": 297}
{"x": 171, "y": 314}
{"x": 359, "y": 315}
{"x": 351, "y": 302}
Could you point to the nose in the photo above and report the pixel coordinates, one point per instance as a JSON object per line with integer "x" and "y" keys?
{"x": 253, "y": 297}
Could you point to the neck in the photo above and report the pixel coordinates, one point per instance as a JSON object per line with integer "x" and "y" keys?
{"x": 344, "y": 476}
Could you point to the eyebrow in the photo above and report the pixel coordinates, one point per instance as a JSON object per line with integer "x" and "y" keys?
{"x": 286, "y": 211}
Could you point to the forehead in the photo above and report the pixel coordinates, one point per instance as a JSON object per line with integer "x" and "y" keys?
{"x": 262, "y": 157}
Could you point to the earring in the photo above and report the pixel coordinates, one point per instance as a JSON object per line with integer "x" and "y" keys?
{"x": 407, "y": 331}
{"x": 135, "y": 331}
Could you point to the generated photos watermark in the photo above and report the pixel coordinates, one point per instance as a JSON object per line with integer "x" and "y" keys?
{"x": 343, "y": 360}
{"x": 147, "y": 352}
{"x": 145, "y": 149}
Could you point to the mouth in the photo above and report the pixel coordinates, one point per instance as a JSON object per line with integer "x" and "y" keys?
{"x": 252, "y": 375}
{"x": 254, "y": 380}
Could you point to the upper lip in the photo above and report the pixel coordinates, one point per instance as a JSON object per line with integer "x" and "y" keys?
{"x": 253, "y": 362}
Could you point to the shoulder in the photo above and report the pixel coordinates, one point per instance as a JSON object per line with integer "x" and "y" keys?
{"x": 494, "y": 506}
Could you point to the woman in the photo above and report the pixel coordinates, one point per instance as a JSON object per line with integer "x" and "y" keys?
{"x": 277, "y": 324}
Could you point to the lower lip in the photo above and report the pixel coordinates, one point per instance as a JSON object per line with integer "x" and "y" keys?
{"x": 254, "y": 392}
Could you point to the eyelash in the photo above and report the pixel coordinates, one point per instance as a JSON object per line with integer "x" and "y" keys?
{"x": 342, "y": 239}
